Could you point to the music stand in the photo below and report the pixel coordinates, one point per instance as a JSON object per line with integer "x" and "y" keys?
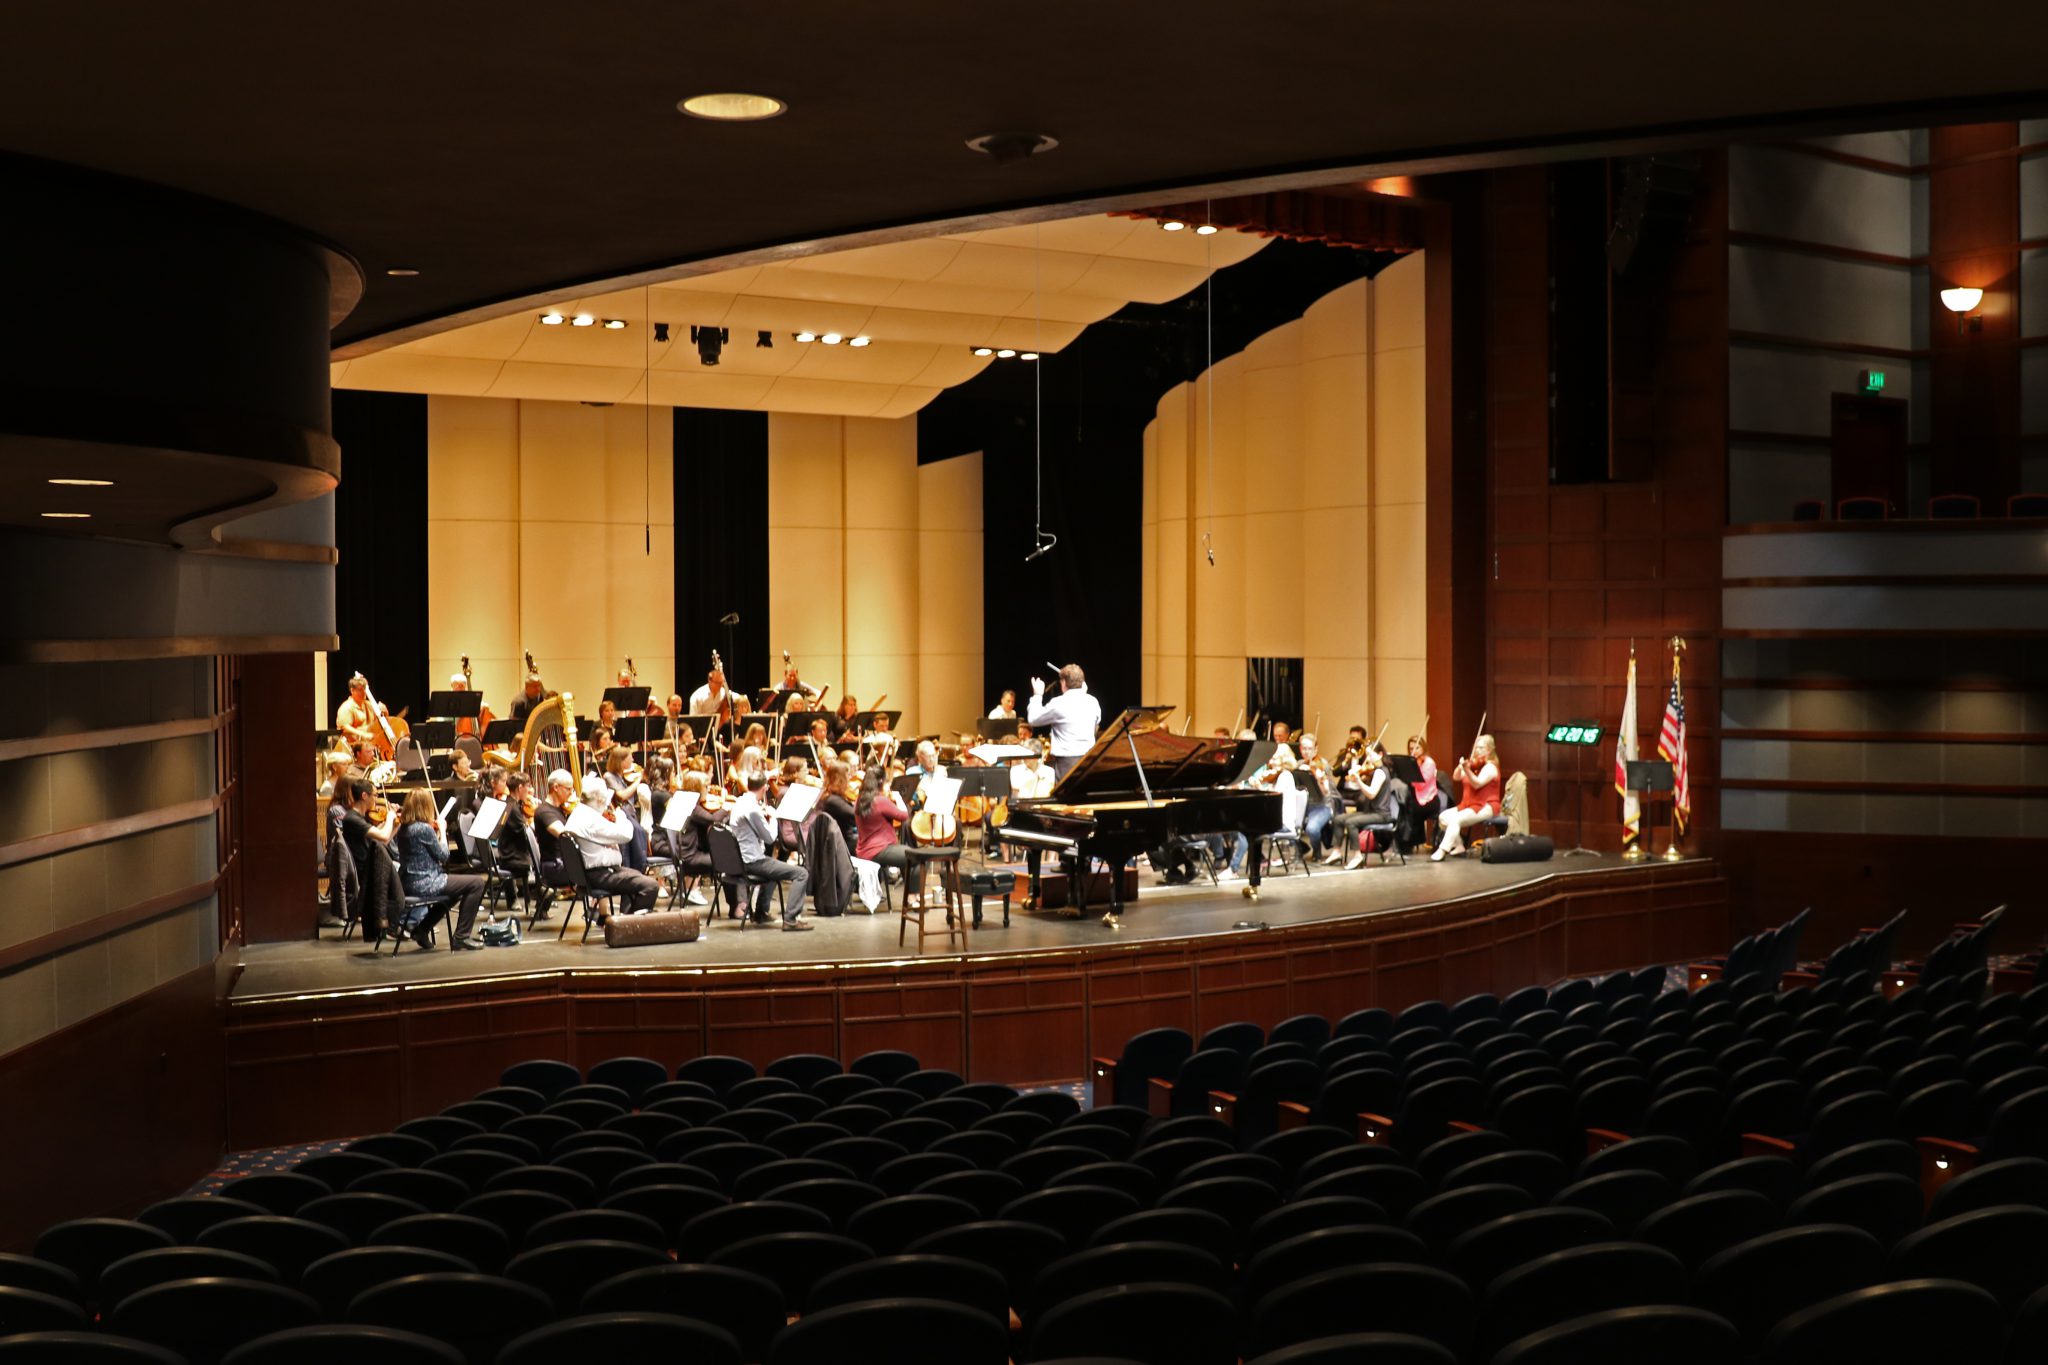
{"x": 430, "y": 735}
{"x": 627, "y": 698}
{"x": 1654, "y": 778}
{"x": 993, "y": 783}
{"x": 631, "y": 731}
{"x": 503, "y": 732}
{"x": 1580, "y": 735}
{"x": 454, "y": 705}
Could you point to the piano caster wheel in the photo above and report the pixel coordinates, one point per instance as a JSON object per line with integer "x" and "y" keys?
{"x": 1030, "y": 905}
{"x": 1112, "y": 921}
{"x": 1251, "y": 893}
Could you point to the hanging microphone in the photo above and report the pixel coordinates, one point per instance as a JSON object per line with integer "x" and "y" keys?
{"x": 1046, "y": 540}
{"x": 731, "y": 618}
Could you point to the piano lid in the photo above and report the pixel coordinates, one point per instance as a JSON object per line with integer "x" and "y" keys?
{"x": 1173, "y": 763}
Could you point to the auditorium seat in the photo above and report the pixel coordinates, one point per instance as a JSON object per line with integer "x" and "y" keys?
{"x": 82, "y": 1348}
{"x": 1154, "y": 1322}
{"x": 1667, "y": 1334}
{"x": 343, "y": 1344}
{"x": 203, "y": 1319}
{"x": 750, "y": 1307}
{"x": 1892, "y": 1324}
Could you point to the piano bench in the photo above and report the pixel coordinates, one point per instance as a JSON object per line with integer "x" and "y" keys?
{"x": 991, "y": 882}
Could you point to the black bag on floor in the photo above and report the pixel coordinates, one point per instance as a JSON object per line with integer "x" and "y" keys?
{"x": 1516, "y": 848}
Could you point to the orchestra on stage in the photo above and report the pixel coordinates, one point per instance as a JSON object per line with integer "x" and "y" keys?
{"x": 782, "y": 806}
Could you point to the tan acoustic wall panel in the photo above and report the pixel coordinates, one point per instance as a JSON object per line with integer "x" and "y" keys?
{"x": 1302, "y": 457}
{"x": 550, "y": 528}
{"x": 875, "y": 566}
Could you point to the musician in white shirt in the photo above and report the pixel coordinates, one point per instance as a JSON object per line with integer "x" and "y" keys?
{"x": 1070, "y": 719}
{"x": 706, "y": 700}
{"x": 600, "y": 833}
{"x": 1006, "y": 709}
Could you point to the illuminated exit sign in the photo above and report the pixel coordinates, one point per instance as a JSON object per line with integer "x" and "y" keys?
{"x": 1870, "y": 381}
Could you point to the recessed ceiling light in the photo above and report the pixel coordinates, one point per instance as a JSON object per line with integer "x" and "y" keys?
{"x": 807, "y": 337}
{"x": 1027, "y": 355}
{"x": 1005, "y": 353}
{"x": 68, "y": 516}
{"x": 1206, "y": 230}
{"x": 731, "y": 107}
{"x": 615, "y": 324}
{"x": 984, "y": 350}
{"x": 551, "y": 319}
{"x": 582, "y": 320}
{"x": 83, "y": 483}
{"x": 401, "y": 272}
{"x": 859, "y": 341}
{"x": 1174, "y": 225}
{"x": 831, "y": 338}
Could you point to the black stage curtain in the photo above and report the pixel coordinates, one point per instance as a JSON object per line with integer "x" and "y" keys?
{"x": 380, "y": 529}
{"x": 721, "y": 483}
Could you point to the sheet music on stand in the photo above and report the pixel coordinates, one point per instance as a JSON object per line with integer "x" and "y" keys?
{"x": 677, "y": 813}
{"x": 625, "y": 699}
{"x": 483, "y": 826}
{"x": 797, "y": 800}
{"x": 941, "y": 794}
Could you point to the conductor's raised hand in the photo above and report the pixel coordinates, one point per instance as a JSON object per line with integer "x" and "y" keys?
{"x": 1038, "y": 687}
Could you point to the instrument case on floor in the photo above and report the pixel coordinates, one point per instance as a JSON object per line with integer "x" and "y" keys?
{"x": 1516, "y": 848}
{"x": 667, "y": 926}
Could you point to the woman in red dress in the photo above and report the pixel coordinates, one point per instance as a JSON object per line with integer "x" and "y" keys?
{"x": 1479, "y": 780}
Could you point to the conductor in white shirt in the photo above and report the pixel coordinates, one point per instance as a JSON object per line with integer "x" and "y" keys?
{"x": 1069, "y": 720}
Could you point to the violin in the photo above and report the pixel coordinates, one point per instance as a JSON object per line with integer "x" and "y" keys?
{"x": 527, "y": 806}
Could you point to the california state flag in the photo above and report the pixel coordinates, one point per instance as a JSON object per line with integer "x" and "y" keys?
{"x": 1626, "y": 751}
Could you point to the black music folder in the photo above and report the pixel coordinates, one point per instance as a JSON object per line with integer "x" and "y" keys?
{"x": 627, "y": 698}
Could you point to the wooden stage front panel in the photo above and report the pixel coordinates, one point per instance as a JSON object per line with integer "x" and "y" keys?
{"x": 338, "y": 1063}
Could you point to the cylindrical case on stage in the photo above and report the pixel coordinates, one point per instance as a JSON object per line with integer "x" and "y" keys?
{"x": 669, "y": 926}
{"x": 1516, "y": 848}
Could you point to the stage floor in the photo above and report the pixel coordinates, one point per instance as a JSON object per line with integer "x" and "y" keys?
{"x": 1161, "y": 912}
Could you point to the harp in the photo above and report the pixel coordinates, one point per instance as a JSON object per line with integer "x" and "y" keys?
{"x": 551, "y": 729}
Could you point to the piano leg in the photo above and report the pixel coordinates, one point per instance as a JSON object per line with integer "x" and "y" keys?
{"x": 1254, "y": 866}
{"x": 1114, "y": 919}
{"x": 1076, "y": 866}
{"x": 1032, "y": 854}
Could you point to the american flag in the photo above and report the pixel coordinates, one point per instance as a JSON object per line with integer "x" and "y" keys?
{"x": 1671, "y": 748}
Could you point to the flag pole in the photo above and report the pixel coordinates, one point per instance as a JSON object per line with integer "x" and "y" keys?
{"x": 1627, "y": 749}
{"x": 1671, "y": 851}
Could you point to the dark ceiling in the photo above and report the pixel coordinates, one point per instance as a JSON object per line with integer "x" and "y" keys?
{"x": 508, "y": 150}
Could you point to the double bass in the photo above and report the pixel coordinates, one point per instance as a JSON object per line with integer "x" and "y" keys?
{"x": 484, "y": 717}
{"x": 390, "y": 729}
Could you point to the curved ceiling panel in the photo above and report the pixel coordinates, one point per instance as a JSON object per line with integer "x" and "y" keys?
{"x": 925, "y": 304}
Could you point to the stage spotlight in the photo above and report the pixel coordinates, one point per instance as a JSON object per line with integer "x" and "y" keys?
{"x": 806, "y": 338}
{"x": 661, "y": 331}
{"x": 859, "y": 341}
{"x": 709, "y": 342}
{"x": 582, "y": 320}
{"x": 1027, "y": 355}
{"x": 615, "y": 324}
{"x": 831, "y": 338}
{"x": 551, "y": 319}
{"x": 1206, "y": 230}
{"x": 1005, "y": 353}
{"x": 764, "y": 340}
{"x": 1174, "y": 225}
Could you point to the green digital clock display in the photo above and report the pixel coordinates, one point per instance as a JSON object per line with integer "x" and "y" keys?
{"x": 1575, "y": 732}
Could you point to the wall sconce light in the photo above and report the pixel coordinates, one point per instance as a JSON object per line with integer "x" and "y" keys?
{"x": 1962, "y": 301}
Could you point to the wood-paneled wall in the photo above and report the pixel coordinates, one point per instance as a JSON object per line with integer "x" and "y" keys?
{"x": 334, "y": 1065}
{"x": 1580, "y": 572}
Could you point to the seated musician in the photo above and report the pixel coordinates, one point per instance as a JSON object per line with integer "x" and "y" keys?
{"x": 709, "y": 699}
{"x": 756, "y": 737}
{"x": 1428, "y": 799}
{"x": 820, "y": 735}
{"x": 676, "y": 709}
{"x": 752, "y": 826}
{"x": 1314, "y": 773}
{"x": 339, "y": 769}
{"x": 691, "y": 845}
{"x": 843, "y": 727}
{"x": 601, "y": 833}
{"x": 512, "y": 851}
{"x": 1370, "y": 795}
{"x": 600, "y": 745}
{"x": 536, "y": 692}
{"x": 382, "y": 895}
{"x": 1479, "y": 780}
{"x": 607, "y": 715}
{"x": 632, "y": 796}
{"x": 1283, "y": 737}
{"x": 423, "y": 848}
{"x": 550, "y": 827}
{"x": 464, "y": 725}
{"x": 878, "y": 814}
{"x": 792, "y": 690}
{"x": 1031, "y": 778}
{"x": 1005, "y": 709}
{"x": 927, "y": 761}
{"x": 836, "y": 804}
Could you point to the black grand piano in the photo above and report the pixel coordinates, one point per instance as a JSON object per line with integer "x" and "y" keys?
{"x": 1139, "y": 788}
